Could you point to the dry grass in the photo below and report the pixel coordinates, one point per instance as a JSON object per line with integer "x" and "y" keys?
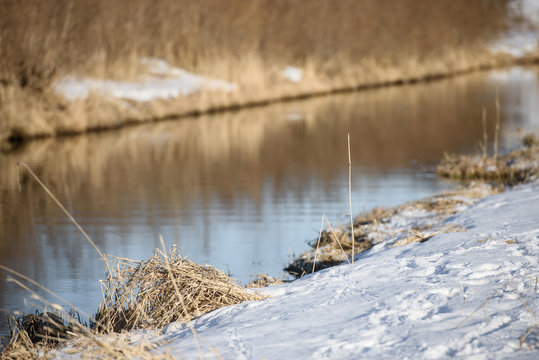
{"x": 419, "y": 235}
{"x": 518, "y": 166}
{"x": 166, "y": 288}
{"x": 333, "y": 247}
{"x": 137, "y": 295}
{"x": 264, "y": 280}
{"x": 341, "y": 45}
{"x": 87, "y": 345}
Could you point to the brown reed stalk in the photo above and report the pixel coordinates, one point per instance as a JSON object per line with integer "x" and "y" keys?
{"x": 484, "y": 147}
{"x": 350, "y": 200}
{"x": 318, "y": 242}
{"x": 497, "y": 131}
{"x": 336, "y": 238}
{"x": 64, "y": 210}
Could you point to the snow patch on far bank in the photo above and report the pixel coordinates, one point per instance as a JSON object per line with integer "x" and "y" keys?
{"x": 163, "y": 82}
{"x": 293, "y": 74}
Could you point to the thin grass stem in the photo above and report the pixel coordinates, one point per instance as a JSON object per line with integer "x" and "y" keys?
{"x": 71, "y": 218}
{"x": 350, "y": 200}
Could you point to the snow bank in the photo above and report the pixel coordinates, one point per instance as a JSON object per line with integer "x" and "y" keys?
{"x": 458, "y": 294}
{"x": 162, "y": 82}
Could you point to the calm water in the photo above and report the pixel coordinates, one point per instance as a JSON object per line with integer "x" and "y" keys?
{"x": 241, "y": 191}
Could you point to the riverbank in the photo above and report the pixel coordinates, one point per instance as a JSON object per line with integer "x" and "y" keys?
{"x": 50, "y": 114}
{"x": 471, "y": 291}
{"x": 269, "y": 54}
{"x": 418, "y": 221}
{"x": 438, "y": 275}
{"x": 457, "y": 294}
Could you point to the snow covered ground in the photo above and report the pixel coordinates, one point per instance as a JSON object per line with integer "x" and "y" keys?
{"x": 470, "y": 294}
{"x": 162, "y": 82}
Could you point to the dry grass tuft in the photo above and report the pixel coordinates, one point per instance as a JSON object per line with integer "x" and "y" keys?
{"x": 166, "y": 288}
{"x": 441, "y": 204}
{"x": 263, "y": 280}
{"x": 530, "y": 140}
{"x": 416, "y": 235}
{"x": 519, "y": 166}
{"x": 36, "y": 335}
{"x": 88, "y": 345}
{"x": 137, "y": 295}
{"x": 333, "y": 247}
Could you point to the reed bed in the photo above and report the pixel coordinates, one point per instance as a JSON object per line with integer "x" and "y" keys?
{"x": 518, "y": 166}
{"x": 340, "y": 45}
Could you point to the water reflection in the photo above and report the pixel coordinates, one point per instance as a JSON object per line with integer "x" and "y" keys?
{"x": 240, "y": 191}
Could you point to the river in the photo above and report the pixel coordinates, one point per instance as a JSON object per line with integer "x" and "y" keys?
{"x": 242, "y": 191}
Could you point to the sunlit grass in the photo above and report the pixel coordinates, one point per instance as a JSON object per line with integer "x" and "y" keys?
{"x": 339, "y": 45}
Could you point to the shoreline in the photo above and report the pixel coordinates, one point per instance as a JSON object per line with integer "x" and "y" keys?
{"x": 16, "y": 135}
{"x": 454, "y": 233}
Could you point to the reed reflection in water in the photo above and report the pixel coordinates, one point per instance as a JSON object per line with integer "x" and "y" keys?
{"x": 240, "y": 191}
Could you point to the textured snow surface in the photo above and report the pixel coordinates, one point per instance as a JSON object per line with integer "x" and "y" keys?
{"x": 458, "y": 294}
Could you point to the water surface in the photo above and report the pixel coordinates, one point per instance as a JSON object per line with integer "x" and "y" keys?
{"x": 240, "y": 191}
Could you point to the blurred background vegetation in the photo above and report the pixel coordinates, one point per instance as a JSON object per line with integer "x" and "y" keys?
{"x": 339, "y": 43}
{"x": 41, "y": 39}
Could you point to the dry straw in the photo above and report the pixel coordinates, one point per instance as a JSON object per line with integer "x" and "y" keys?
{"x": 263, "y": 280}
{"x": 350, "y": 199}
{"x": 519, "y": 166}
{"x": 163, "y": 289}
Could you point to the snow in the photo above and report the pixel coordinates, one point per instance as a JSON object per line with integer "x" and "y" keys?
{"x": 162, "y": 82}
{"x": 293, "y": 74}
{"x": 459, "y": 294}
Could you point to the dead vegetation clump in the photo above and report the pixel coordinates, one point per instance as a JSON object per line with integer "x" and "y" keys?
{"x": 137, "y": 295}
{"x": 442, "y": 204}
{"x": 34, "y": 336}
{"x": 518, "y": 166}
{"x": 87, "y": 344}
{"x": 264, "y": 280}
{"x": 333, "y": 247}
{"x": 166, "y": 288}
{"x": 424, "y": 234}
